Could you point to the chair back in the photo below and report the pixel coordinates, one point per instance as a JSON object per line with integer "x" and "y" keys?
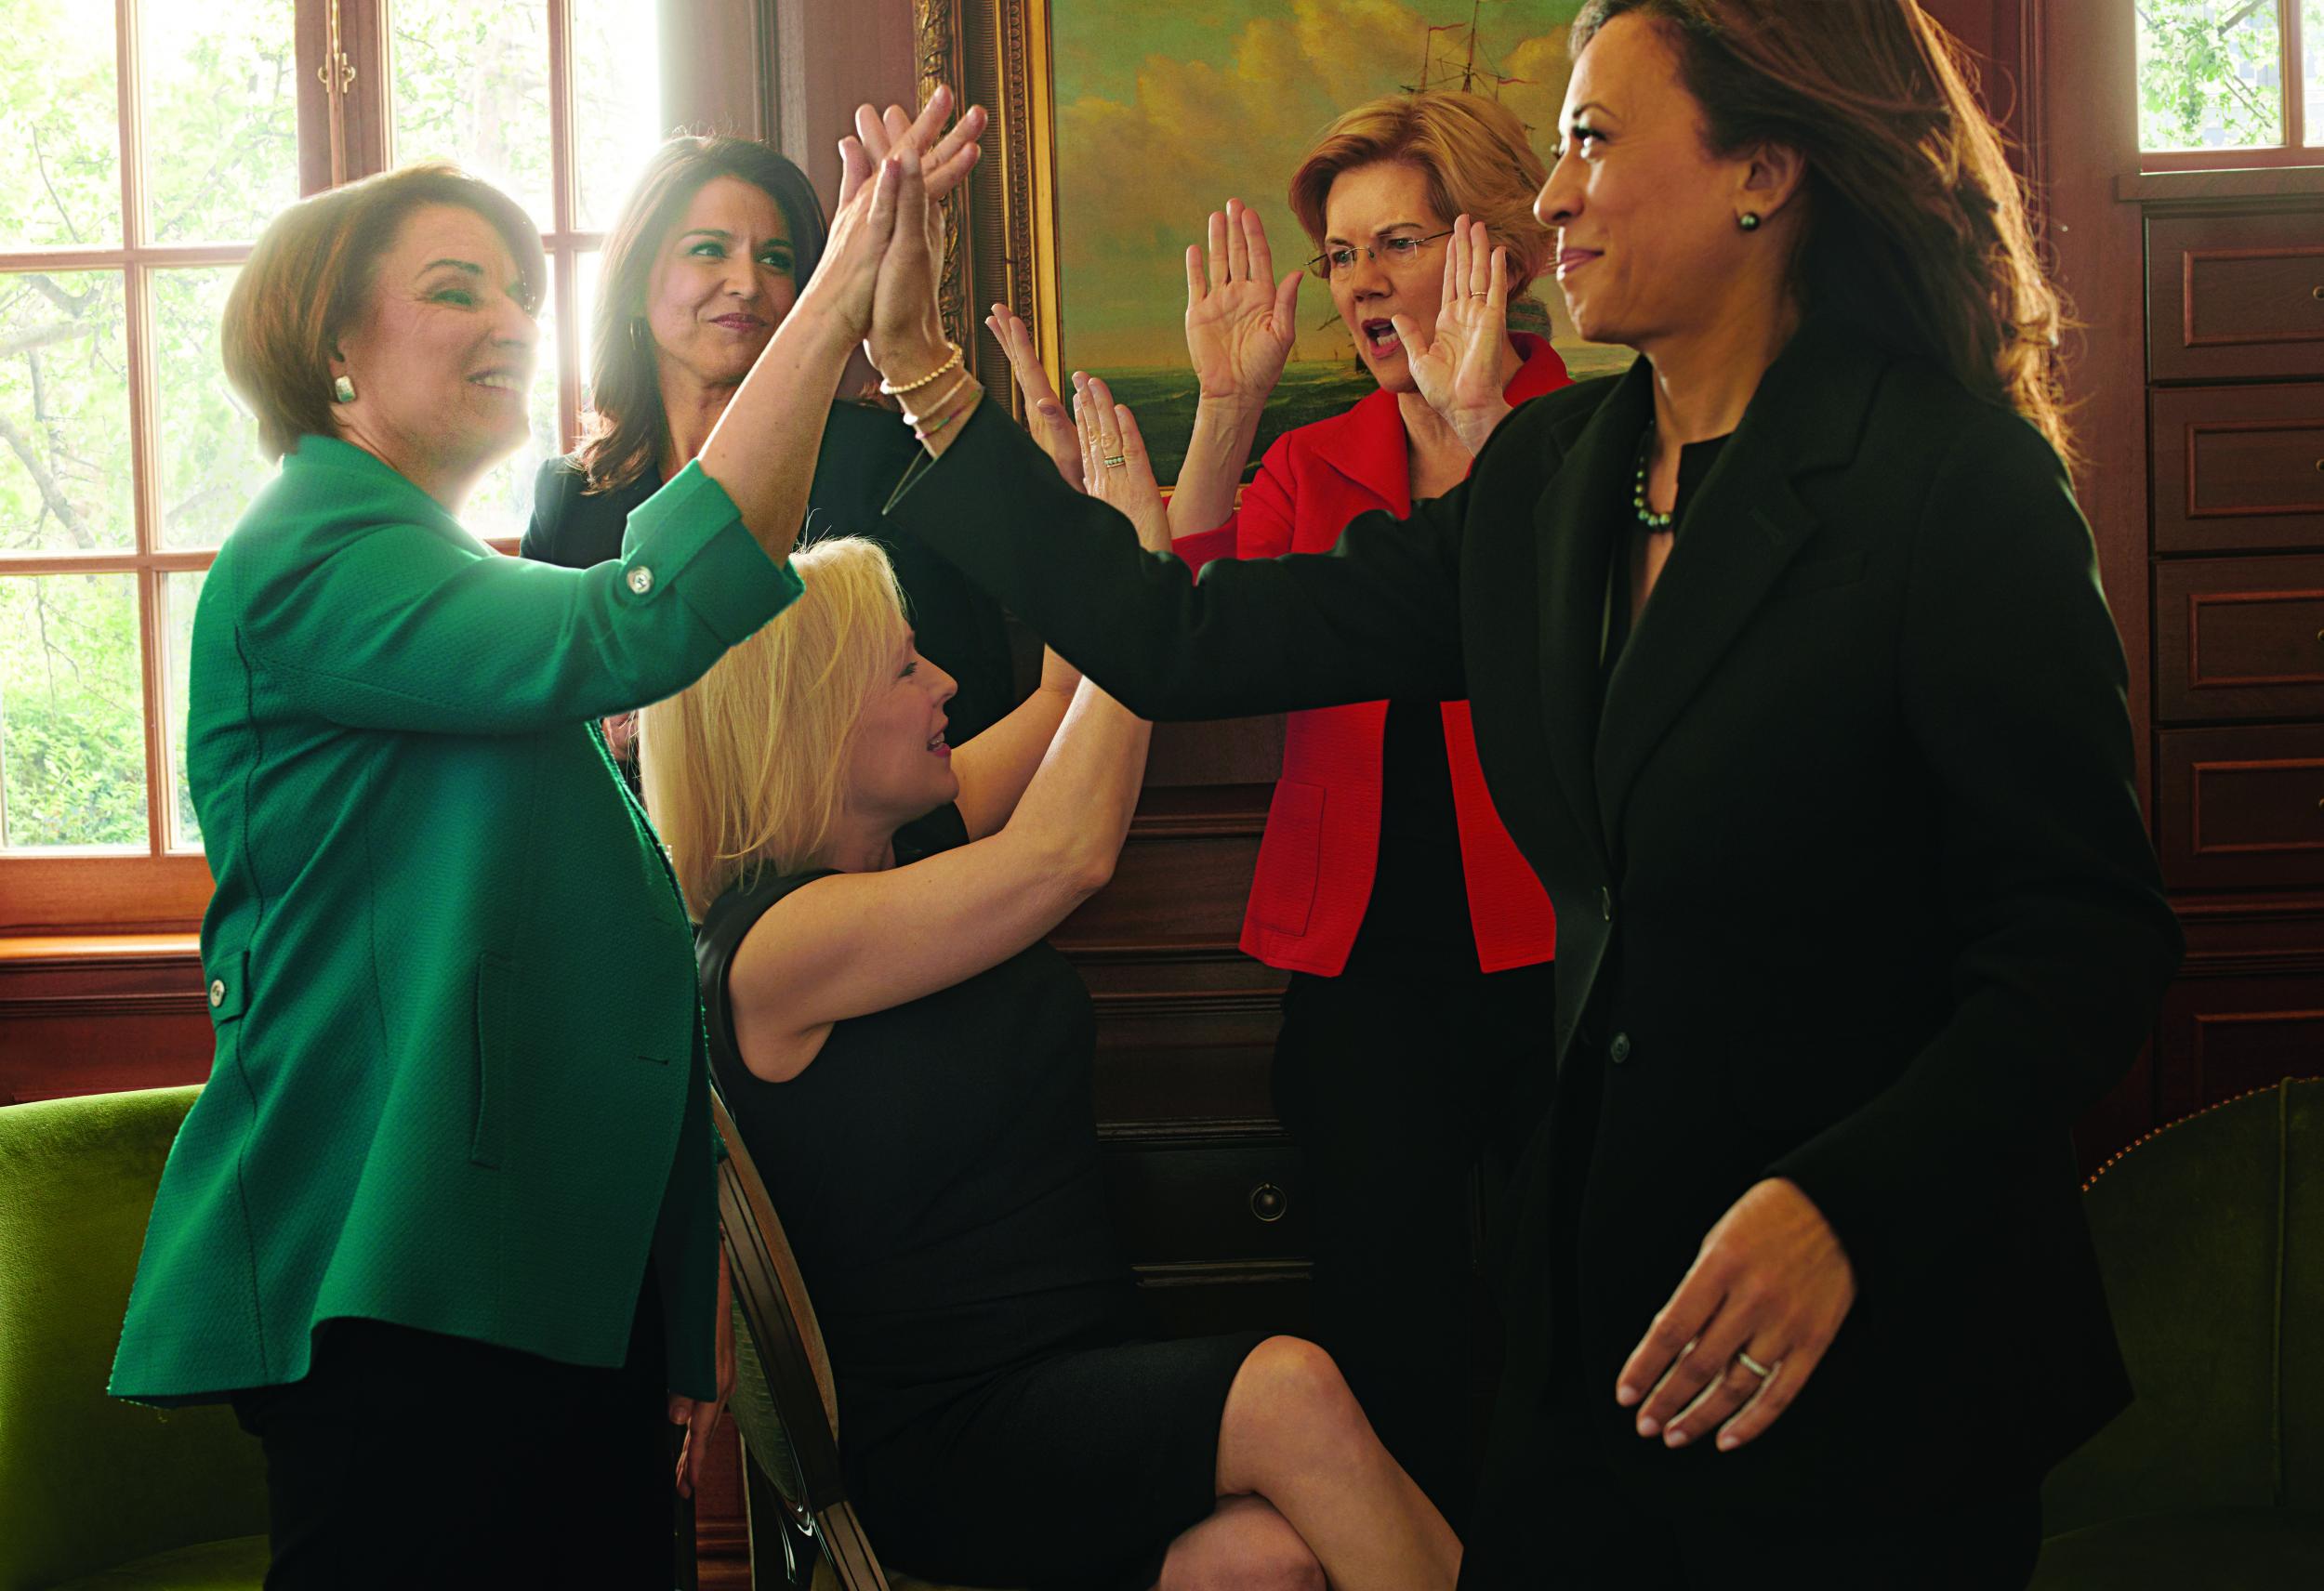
{"x": 787, "y": 1404}
{"x": 2211, "y": 1236}
{"x": 87, "y": 1481}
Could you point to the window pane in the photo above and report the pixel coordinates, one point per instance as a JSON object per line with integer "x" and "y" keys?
{"x": 221, "y": 117}
{"x": 471, "y": 85}
{"x": 588, "y": 271}
{"x": 616, "y": 103}
{"x": 210, "y": 467}
{"x": 72, "y": 718}
{"x": 179, "y": 592}
{"x": 2312, "y": 72}
{"x": 502, "y": 503}
{"x": 2210, "y": 74}
{"x": 59, "y": 122}
{"x": 64, "y": 413}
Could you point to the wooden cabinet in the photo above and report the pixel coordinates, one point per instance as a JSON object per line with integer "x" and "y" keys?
{"x": 2234, "y": 323}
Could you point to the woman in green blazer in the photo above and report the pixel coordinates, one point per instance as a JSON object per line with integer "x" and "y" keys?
{"x": 442, "y": 1224}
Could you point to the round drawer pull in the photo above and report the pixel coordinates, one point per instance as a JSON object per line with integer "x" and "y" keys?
{"x": 2316, "y": 292}
{"x": 1268, "y": 1202}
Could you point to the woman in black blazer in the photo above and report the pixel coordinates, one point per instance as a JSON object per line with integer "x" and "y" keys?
{"x": 1857, "y": 912}
{"x": 701, "y": 265}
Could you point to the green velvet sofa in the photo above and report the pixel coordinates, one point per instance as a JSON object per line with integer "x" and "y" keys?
{"x": 2212, "y": 1236}
{"x": 97, "y": 1495}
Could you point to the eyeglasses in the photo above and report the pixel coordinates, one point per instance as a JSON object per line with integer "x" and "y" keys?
{"x": 1391, "y": 251}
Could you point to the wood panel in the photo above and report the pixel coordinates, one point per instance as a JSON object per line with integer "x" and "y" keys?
{"x": 2222, "y": 1037}
{"x": 2239, "y": 468}
{"x": 2240, "y": 638}
{"x": 2243, "y": 808}
{"x": 2236, "y": 294}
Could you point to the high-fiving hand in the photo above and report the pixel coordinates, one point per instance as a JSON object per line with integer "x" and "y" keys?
{"x": 1114, "y": 468}
{"x": 906, "y": 321}
{"x": 1045, "y": 416}
{"x": 1458, "y": 370}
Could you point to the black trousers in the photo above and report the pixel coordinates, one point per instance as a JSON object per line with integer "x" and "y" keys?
{"x": 405, "y": 1458}
{"x": 1411, "y": 1088}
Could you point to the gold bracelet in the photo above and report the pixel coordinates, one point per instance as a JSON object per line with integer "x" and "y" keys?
{"x": 936, "y": 406}
{"x": 916, "y": 386}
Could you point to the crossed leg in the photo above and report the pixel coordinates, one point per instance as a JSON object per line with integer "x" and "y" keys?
{"x": 1307, "y": 1494}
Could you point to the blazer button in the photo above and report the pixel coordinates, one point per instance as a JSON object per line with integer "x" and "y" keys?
{"x": 1606, "y": 902}
{"x": 641, "y": 580}
{"x": 218, "y": 992}
{"x": 1618, "y": 1051}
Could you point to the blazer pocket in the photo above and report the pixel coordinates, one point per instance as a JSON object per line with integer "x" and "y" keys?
{"x": 1820, "y": 575}
{"x": 1291, "y": 859}
{"x": 498, "y": 1040}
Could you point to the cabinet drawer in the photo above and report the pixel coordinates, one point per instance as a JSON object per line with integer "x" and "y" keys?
{"x": 2235, "y": 296}
{"x": 1177, "y": 1199}
{"x": 2225, "y": 1036}
{"x": 2239, "y": 468}
{"x": 2239, "y": 637}
{"x": 2241, "y": 809}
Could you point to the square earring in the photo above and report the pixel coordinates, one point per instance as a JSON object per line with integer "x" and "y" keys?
{"x": 342, "y": 390}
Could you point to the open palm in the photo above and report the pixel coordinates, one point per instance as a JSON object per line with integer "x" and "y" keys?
{"x": 1459, "y": 368}
{"x": 1240, "y": 322}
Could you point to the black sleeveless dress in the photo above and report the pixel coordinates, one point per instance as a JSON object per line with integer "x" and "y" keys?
{"x": 1006, "y": 1418}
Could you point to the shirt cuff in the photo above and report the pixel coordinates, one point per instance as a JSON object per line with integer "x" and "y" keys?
{"x": 689, "y": 538}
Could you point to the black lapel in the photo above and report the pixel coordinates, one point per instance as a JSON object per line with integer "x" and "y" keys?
{"x": 1738, "y": 534}
{"x": 1576, "y": 525}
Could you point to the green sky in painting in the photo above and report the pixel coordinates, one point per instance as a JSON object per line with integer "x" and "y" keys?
{"x": 1164, "y": 110}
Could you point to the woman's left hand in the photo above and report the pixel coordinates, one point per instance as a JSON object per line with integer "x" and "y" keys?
{"x": 699, "y": 1416}
{"x": 1459, "y": 372}
{"x": 1772, "y": 1282}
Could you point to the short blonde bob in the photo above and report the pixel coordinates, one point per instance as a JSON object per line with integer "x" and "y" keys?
{"x": 746, "y": 767}
{"x": 1474, "y": 151}
{"x": 310, "y": 279}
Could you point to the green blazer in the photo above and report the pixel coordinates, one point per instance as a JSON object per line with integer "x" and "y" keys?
{"x": 460, "y": 1080}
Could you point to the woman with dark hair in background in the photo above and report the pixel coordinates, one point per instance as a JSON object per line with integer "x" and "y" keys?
{"x": 704, "y": 262}
{"x": 1413, "y": 1061}
{"x": 1793, "y": 679}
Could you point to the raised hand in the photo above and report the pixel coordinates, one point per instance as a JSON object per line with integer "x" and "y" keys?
{"x": 946, "y": 157}
{"x": 1458, "y": 370}
{"x": 1113, "y": 464}
{"x": 1045, "y": 416}
{"x": 1747, "y": 1327}
{"x": 1240, "y": 323}
{"x": 842, "y": 285}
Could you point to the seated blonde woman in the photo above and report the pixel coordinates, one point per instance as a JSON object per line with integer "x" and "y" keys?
{"x": 912, "y": 1064}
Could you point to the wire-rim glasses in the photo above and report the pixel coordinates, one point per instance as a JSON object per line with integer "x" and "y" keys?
{"x": 1401, "y": 249}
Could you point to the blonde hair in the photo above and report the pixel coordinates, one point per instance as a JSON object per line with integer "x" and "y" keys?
{"x": 747, "y": 767}
{"x": 1474, "y": 151}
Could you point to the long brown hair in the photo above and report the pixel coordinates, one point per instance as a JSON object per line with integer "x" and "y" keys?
{"x": 1917, "y": 228}
{"x": 628, "y": 426}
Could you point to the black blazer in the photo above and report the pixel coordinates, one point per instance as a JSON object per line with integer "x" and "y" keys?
{"x": 864, "y": 448}
{"x": 1851, "y": 885}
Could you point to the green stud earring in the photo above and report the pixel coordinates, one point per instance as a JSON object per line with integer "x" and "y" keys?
{"x": 1748, "y": 221}
{"x": 342, "y": 390}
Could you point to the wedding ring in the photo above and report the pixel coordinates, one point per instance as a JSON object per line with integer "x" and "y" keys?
{"x": 1748, "y": 1362}
{"x": 1114, "y": 461}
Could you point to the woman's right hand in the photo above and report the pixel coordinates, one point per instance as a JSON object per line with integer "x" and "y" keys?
{"x": 1240, "y": 324}
{"x": 1045, "y": 416}
{"x": 1114, "y": 463}
{"x": 841, "y": 290}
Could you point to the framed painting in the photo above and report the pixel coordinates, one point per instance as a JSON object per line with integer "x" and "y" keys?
{"x": 1120, "y": 129}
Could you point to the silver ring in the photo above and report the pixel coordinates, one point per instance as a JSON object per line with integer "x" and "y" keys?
{"x": 1748, "y": 1362}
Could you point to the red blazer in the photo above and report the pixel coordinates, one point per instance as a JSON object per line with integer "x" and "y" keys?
{"x": 1322, "y": 844}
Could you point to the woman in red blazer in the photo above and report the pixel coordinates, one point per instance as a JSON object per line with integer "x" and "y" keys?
{"x": 1415, "y": 1034}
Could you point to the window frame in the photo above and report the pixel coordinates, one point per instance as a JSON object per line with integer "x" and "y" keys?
{"x": 345, "y": 130}
{"x": 2293, "y": 151}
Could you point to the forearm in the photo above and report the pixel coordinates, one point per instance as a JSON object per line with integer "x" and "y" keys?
{"x": 1204, "y": 495}
{"x": 762, "y": 450}
{"x": 1078, "y": 805}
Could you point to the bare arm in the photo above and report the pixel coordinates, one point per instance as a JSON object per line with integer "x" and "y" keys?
{"x": 995, "y": 767}
{"x": 858, "y": 942}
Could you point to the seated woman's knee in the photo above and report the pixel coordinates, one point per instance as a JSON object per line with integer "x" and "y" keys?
{"x": 1291, "y": 1379}
{"x": 1243, "y": 1546}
